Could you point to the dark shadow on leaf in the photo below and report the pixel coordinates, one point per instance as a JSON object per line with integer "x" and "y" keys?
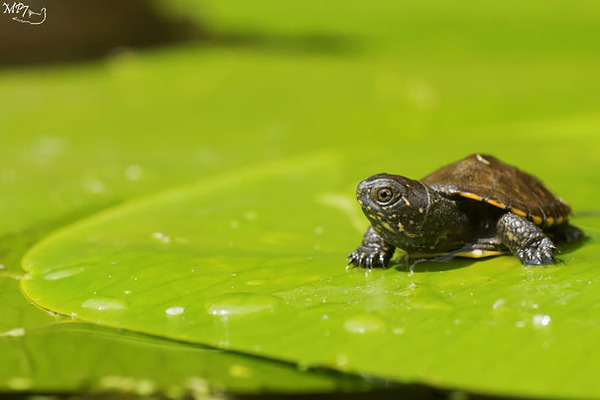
{"x": 568, "y": 248}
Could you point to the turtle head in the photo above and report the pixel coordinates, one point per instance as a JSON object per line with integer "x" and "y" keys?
{"x": 396, "y": 207}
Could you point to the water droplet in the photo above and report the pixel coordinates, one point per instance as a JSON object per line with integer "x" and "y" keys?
{"x": 243, "y": 304}
{"x": 104, "y": 303}
{"x": 133, "y": 172}
{"x": 364, "y": 323}
{"x": 398, "y": 331}
{"x": 233, "y": 224}
{"x": 250, "y": 215}
{"x": 529, "y": 304}
{"x": 498, "y": 303}
{"x": 520, "y": 324}
{"x": 541, "y": 320}
{"x": 175, "y": 310}
{"x": 14, "y": 332}
{"x": 2, "y": 267}
{"x": 319, "y": 230}
{"x": 160, "y": 236}
{"x": 127, "y": 291}
{"x": 63, "y": 273}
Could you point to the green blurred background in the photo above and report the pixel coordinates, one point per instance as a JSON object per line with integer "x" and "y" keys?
{"x": 105, "y": 102}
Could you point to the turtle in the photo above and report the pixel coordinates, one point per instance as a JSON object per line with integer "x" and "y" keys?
{"x": 475, "y": 207}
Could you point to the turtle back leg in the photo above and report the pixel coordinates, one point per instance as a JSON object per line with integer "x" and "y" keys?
{"x": 525, "y": 240}
{"x": 373, "y": 252}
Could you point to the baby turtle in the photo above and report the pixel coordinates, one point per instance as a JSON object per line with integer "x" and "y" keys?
{"x": 475, "y": 207}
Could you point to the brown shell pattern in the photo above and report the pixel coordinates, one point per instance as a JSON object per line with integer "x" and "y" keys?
{"x": 483, "y": 177}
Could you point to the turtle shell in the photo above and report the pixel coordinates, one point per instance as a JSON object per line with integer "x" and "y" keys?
{"x": 484, "y": 178}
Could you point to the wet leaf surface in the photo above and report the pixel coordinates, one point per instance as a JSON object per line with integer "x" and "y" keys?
{"x": 395, "y": 87}
{"x": 254, "y": 261}
{"x": 49, "y": 353}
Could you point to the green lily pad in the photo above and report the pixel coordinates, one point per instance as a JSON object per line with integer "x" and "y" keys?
{"x": 45, "y": 352}
{"x": 253, "y": 261}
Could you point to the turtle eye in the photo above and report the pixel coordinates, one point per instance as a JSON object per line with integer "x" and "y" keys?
{"x": 384, "y": 195}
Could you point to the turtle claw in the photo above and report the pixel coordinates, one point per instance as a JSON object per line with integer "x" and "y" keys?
{"x": 374, "y": 252}
{"x": 538, "y": 253}
{"x": 361, "y": 258}
{"x": 368, "y": 257}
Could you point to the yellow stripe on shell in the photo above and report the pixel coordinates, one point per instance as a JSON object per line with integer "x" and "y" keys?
{"x": 520, "y": 213}
{"x": 559, "y": 220}
{"x": 496, "y": 204}
{"x": 550, "y": 221}
{"x": 536, "y": 220}
{"x": 471, "y": 196}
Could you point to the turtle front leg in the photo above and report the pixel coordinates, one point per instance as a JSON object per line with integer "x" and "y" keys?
{"x": 525, "y": 240}
{"x": 373, "y": 252}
